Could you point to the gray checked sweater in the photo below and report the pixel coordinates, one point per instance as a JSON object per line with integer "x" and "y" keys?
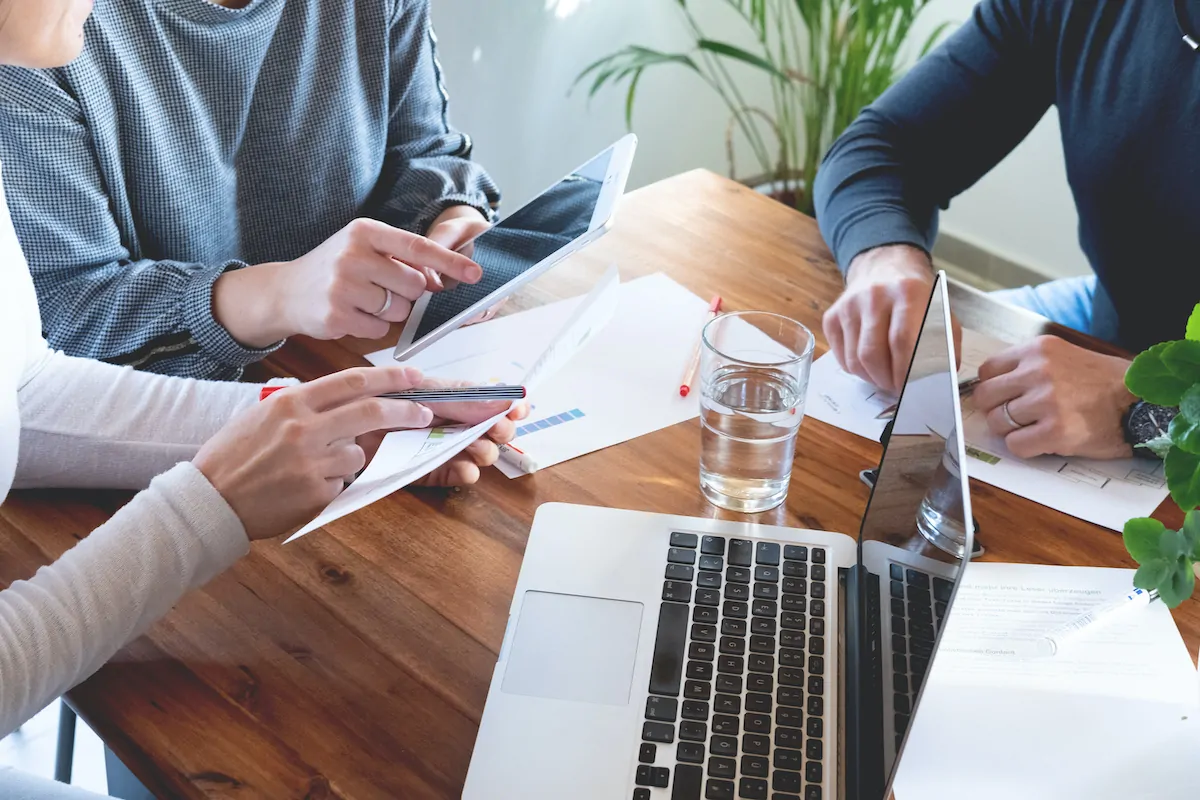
{"x": 190, "y": 139}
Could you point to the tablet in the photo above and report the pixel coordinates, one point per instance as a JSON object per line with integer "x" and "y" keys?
{"x": 571, "y": 214}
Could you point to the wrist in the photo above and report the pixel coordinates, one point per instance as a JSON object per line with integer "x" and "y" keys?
{"x": 457, "y": 211}
{"x": 890, "y": 262}
{"x": 248, "y": 303}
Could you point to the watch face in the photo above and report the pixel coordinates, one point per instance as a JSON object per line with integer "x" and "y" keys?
{"x": 1148, "y": 422}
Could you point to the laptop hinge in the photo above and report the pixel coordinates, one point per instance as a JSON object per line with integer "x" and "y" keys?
{"x": 864, "y": 779}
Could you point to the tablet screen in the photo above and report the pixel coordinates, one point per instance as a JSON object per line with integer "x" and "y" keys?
{"x": 518, "y": 243}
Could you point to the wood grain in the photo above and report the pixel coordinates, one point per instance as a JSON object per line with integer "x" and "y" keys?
{"x": 355, "y": 664}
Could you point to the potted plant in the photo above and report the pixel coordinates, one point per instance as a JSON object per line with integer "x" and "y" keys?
{"x": 1168, "y": 374}
{"x": 824, "y": 60}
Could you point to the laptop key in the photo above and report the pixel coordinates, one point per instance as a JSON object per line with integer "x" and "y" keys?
{"x": 919, "y": 664}
{"x": 813, "y": 792}
{"x": 788, "y": 737}
{"x": 767, "y": 553}
{"x": 733, "y": 627}
{"x": 921, "y": 648}
{"x": 792, "y": 621}
{"x": 816, "y": 665}
{"x": 791, "y": 658}
{"x": 737, "y": 575}
{"x": 660, "y": 777}
{"x": 790, "y": 696}
{"x": 729, "y": 684}
{"x": 898, "y": 626}
{"x": 795, "y": 569}
{"x": 789, "y": 717}
{"x": 684, "y": 540}
{"x": 699, "y": 670}
{"x": 792, "y": 638}
{"x": 917, "y": 578}
{"x": 794, "y": 602}
{"x": 759, "y": 662}
{"x": 694, "y": 709}
{"x": 726, "y": 726}
{"x": 897, "y": 606}
{"x": 755, "y": 766}
{"x": 899, "y": 645}
{"x": 795, "y": 586}
{"x": 693, "y": 731}
{"x": 922, "y": 632}
{"x": 896, "y": 572}
{"x": 768, "y": 574}
{"x": 723, "y": 745}
{"x": 897, "y": 590}
{"x": 788, "y": 759}
{"x": 816, "y": 626}
{"x": 818, "y": 555}
{"x": 689, "y": 753}
{"x": 736, "y": 609}
{"x": 816, "y": 684}
{"x": 703, "y": 651}
{"x": 713, "y": 545}
{"x": 812, "y": 771}
{"x": 755, "y": 744}
{"x": 689, "y": 780}
{"x": 704, "y": 633}
{"x": 678, "y": 555}
{"x": 659, "y": 732}
{"x": 763, "y": 626}
{"x": 712, "y": 563}
{"x": 647, "y": 753}
{"x": 706, "y": 580}
{"x": 783, "y": 781}
{"x": 813, "y": 749}
{"x": 661, "y": 709}
{"x": 790, "y": 676}
{"x": 679, "y": 572}
{"x": 817, "y": 573}
{"x": 731, "y": 665}
{"x": 643, "y": 776}
{"x": 766, "y": 591}
{"x": 757, "y": 682}
{"x": 752, "y": 789}
{"x": 795, "y": 552}
{"x": 817, "y": 590}
{"x": 758, "y": 703}
{"x": 677, "y": 592}
{"x": 816, "y": 645}
{"x": 815, "y": 727}
{"x": 901, "y": 723}
{"x": 737, "y": 591}
{"x": 641, "y": 793}
{"x": 666, "y": 670}
{"x": 719, "y": 790}
{"x": 939, "y": 608}
{"x": 758, "y": 723}
{"x": 817, "y": 608}
{"x": 704, "y": 614}
{"x": 727, "y": 704}
{"x": 764, "y": 608}
{"x": 741, "y": 552}
{"x": 762, "y": 644}
{"x": 707, "y": 597}
{"x": 816, "y": 706}
{"x": 697, "y": 690}
{"x": 733, "y": 645}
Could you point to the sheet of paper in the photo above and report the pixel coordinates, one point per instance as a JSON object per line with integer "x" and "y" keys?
{"x": 1139, "y": 654}
{"x": 1106, "y": 493}
{"x": 406, "y": 456}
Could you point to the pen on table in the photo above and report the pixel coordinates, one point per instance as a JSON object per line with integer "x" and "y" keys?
{"x": 1049, "y": 644}
{"x": 965, "y": 388}
{"x": 689, "y": 376}
{"x": 456, "y": 394}
{"x": 516, "y": 457}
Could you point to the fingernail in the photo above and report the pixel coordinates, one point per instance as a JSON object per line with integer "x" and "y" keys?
{"x": 437, "y": 279}
{"x": 427, "y": 417}
{"x": 413, "y": 375}
{"x": 474, "y": 273}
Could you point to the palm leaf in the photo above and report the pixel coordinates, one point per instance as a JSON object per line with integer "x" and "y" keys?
{"x": 737, "y": 53}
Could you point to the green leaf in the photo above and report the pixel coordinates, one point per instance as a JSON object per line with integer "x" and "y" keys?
{"x": 1179, "y": 584}
{"x": 1172, "y": 545}
{"x": 1183, "y": 478}
{"x": 1183, "y": 359}
{"x": 728, "y": 50}
{"x": 1190, "y": 403}
{"x": 1193, "y": 325}
{"x": 1152, "y": 380}
{"x": 1141, "y": 537}
{"x": 1159, "y": 445}
{"x": 1152, "y": 574}
{"x": 629, "y": 98}
{"x": 1185, "y": 433}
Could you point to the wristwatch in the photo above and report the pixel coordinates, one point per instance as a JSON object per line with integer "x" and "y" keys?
{"x": 1144, "y": 422}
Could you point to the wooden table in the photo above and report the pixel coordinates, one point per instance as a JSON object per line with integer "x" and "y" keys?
{"x": 356, "y": 662}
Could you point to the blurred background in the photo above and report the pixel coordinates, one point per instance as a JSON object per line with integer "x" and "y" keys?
{"x": 510, "y": 68}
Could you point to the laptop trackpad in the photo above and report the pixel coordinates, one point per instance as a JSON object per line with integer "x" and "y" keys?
{"x": 576, "y": 648}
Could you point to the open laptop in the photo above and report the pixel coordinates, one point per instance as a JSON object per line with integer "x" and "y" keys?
{"x": 654, "y": 657}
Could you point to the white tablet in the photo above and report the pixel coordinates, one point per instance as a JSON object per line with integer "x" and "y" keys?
{"x": 571, "y": 214}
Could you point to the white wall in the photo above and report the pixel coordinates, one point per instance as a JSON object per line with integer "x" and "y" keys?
{"x": 510, "y": 63}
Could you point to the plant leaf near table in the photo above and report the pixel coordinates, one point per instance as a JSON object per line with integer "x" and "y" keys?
{"x": 1168, "y": 374}
{"x": 825, "y": 60}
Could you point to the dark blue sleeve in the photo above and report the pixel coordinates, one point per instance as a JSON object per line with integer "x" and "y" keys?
{"x": 952, "y": 118}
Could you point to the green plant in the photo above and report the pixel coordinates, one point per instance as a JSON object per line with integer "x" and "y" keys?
{"x": 1168, "y": 374}
{"x": 824, "y": 60}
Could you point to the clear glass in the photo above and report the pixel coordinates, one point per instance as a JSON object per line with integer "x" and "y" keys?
{"x": 940, "y": 517}
{"x": 754, "y": 377}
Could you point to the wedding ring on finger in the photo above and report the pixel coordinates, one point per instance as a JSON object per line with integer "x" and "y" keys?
{"x": 387, "y": 303}
{"x": 1016, "y": 426}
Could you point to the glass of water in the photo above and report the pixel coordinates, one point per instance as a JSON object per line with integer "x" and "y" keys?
{"x": 754, "y": 377}
{"x": 940, "y": 517}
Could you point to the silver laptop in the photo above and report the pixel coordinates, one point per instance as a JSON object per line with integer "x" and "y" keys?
{"x": 654, "y": 657}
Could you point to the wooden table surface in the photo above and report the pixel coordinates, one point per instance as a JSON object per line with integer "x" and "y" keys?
{"x": 355, "y": 663}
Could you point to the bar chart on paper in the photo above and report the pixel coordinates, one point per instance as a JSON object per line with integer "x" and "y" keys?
{"x": 550, "y": 422}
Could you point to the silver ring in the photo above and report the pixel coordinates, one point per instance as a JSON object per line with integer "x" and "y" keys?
{"x": 1016, "y": 426}
{"x": 387, "y": 303}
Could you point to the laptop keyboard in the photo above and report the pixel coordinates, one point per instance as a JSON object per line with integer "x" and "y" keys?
{"x": 738, "y": 675}
{"x": 918, "y": 604}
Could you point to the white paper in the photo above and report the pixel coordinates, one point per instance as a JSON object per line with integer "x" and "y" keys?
{"x": 1106, "y": 493}
{"x": 406, "y": 456}
{"x": 1139, "y": 654}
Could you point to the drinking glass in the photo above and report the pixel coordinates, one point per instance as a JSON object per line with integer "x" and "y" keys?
{"x": 754, "y": 379}
{"x": 940, "y": 517}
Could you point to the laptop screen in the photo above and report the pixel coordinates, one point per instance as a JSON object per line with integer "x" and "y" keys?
{"x": 913, "y": 537}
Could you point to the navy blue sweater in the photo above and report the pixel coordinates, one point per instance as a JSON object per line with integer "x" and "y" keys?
{"x": 1127, "y": 91}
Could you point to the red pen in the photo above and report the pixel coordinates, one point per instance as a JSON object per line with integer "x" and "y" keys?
{"x": 685, "y": 388}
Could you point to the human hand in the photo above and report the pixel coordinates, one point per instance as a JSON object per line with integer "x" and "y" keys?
{"x": 456, "y": 228}
{"x": 282, "y": 461}
{"x": 873, "y": 327}
{"x": 356, "y": 283}
{"x": 1065, "y": 400}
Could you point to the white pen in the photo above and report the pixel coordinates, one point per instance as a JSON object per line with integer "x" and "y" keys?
{"x": 1050, "y": 643}
{"x": 518, "y": 458}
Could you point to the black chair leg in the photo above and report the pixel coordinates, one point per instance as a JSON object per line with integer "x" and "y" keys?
{"x": 64, "y": 758}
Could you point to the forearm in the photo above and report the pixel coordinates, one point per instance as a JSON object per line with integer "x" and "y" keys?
{"x": 72, "y": 616}
{"x": 86, "y": 424}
